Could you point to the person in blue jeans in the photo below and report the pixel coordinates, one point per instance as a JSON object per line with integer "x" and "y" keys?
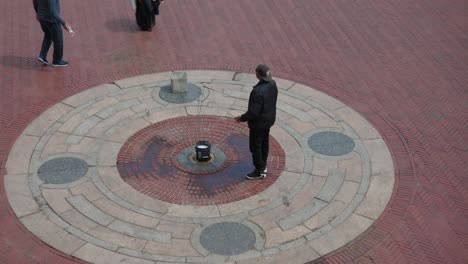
{"x": 48, "y": 15}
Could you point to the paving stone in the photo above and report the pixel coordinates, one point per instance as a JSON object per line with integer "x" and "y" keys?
{"x": 246, "y": 77}
{"x": 88, "y": 190}
{"x": 322, "y": 167}
{"x": 108, "y": 154}
{"x": 321, "y": 119}
{"x": 132, "y": 93}
{"x": 276, "y": 236}
{"x": 140, "y": 232}
{"x": 332, "y": 185}
{"x": 125, "y": 129}
{"x": 238, "y": 95}
{"x": 150, "y": 256}
{"x": 116, "y": 238}
{"x": 90, "y": 239}
{"x": 347, "y": 191}
{"x": 73, "y": 122}
{"x": 293, "y": 111}
{"x": 51, "y": 234}
{"x": 295, "y": 102}
{"x": 301, "y": 215}
{"x": 103, "y": 126}
{"x": 18, "y": 194}
{"x": 124, "y": 214}
{"x": 352, "y": 167}
{"x": 155, "y": 117}
{"x": 244, "y": 205}
{"x": 113, "y": 109}
{"x": 143, "y": 79}
{"x": 78, "y": 220}
{"x": 204, "y": 110}
{"x": 380, "y": 191}
{"x": 178, "y": 248}
{"x": 100, "y": 105}
{"x": 20, "y": 155}
{"x": 73, "y": 139}
{"x": 381, "y": 159}
{"x": 192, "y": 211}
{"x": 178, "y": 230}
{"x": 300, "y": 126}
{"x": 363, "y": 128}
{"x": 283, "y": 83}
{"x": 87, "y": 146}
{"x": 111, "y": 178}
{"x": 42, "y": 123}
{"x": 56, "y": 198}
{"x": 98, "y": 255}
{"x": 341, "y": 235}
{"x": 325, "y": 215}
{"x": 140, "y": 200}
{"x": 86, "y": 208}
{"x": 90, "y": 94}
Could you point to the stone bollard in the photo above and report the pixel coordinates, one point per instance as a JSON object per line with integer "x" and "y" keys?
{"x": 179, "y": 82}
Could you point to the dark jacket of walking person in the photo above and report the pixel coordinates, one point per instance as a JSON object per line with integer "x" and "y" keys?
{"x": 145, "y": 13}
{"x": 48, "y": 15}
{"x": 260, "y": 116}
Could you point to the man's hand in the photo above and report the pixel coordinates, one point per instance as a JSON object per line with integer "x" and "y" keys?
{"x": 237, "y": 118}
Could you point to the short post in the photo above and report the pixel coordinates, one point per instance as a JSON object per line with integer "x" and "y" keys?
{"x": 179, "y": 82}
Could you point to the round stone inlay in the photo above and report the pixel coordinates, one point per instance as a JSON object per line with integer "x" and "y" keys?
{"x": 331, "y": 143}
{"x": 193, "y": 93}
{"x": 156, "y": 161}
{"x": 227, "y": 238}
{"x": 62, "y": 170}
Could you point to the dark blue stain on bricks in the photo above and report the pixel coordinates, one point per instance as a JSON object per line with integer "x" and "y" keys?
{"x": 148, "y": 166}
{"x": 151, "y": 166}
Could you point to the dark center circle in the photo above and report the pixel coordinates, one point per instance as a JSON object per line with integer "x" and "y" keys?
{"x": 62, "y": 170}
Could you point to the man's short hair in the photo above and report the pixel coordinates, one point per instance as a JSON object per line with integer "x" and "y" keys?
{"x": 264, "y": 72}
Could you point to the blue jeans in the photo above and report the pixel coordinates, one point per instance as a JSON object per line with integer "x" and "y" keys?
{"x": 52, "y": 33}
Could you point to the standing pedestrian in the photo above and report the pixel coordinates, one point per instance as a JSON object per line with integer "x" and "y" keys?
{"x": 145, "y": 13}
{"x": 48, "y": 15}
{"x": 260, "y": 116}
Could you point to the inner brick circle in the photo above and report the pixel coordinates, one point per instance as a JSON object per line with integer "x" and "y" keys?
{"x": 148, "y": 161}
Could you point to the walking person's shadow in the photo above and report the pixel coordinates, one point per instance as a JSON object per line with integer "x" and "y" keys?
{"x": 19, "y": 62}
{"x": 122, "y": 25}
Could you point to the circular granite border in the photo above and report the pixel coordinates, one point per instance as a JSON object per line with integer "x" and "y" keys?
{"x": 34, "y": 139}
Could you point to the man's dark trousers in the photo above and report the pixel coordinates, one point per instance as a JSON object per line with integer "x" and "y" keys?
{"x": 259, "y": 146}
{"x": 52, "y": 33}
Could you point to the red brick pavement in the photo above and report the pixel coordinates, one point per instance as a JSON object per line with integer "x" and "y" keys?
{"x": 402, "y": 64}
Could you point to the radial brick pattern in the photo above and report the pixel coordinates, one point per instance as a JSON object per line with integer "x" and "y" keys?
{"x": 149, "y": 162}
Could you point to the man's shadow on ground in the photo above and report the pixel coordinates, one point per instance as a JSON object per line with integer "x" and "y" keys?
{"x": 122, "y": 25}
{"x": 19, "y": 62}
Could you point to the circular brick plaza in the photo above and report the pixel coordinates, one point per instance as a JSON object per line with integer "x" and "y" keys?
{"x": 159, "y": 161}
{"x": 109, "y": 174}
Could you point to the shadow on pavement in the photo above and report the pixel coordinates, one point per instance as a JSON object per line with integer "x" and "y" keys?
{"x": 122, "y": 25}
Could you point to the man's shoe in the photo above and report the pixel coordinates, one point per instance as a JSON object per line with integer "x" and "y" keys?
{"x": 254, "y": 175}
{"x": 43, "y": 60}
{"x": 61, "y": 63}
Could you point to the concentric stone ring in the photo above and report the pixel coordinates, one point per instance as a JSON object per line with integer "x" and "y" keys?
{"x": 321, "y": 199}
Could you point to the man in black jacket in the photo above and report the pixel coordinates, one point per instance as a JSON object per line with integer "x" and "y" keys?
{"x": 260, "y": 116}
{"x": 48, "y": 15}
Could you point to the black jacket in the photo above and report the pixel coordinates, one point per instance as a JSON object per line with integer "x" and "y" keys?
{"x": 48, "y": 10}
{"x": 261, "y": 113}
